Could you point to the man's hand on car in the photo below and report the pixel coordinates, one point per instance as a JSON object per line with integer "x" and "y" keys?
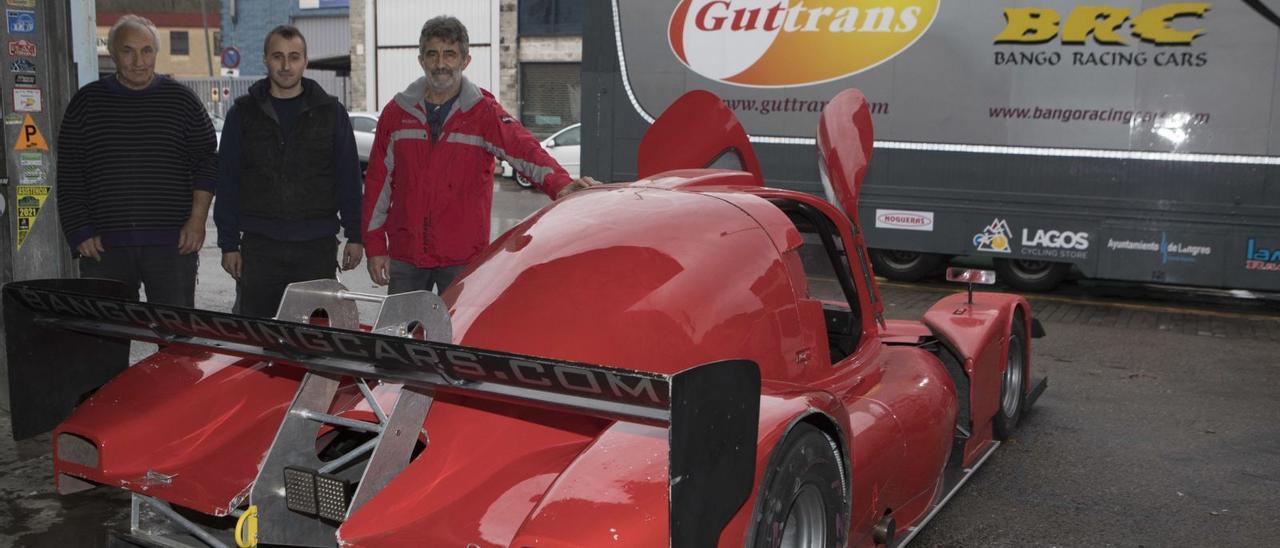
{"x": 576, "y": 185}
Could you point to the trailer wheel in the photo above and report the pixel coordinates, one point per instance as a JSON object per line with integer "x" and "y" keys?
{"x": 1013, "y": 382}
{"x": 803, "y": 502}
{"x": 905, "y": 266}
{"x": 1027, "y": 275}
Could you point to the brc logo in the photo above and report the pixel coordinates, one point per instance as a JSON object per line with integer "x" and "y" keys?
{"x": 1040, "y": 25}
{"x": 775, "y": 43}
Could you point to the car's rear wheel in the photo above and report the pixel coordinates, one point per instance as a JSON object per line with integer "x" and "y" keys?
{"x": 1025, "y": 275}
{"x": 905, "y": 266}
{"x": 1013, "y": 382}
{"x": 803, "y": 501}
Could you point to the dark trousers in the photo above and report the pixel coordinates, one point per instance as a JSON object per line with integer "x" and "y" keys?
{"x": 406, "y": 277}
{"x": 168, "y": 276}
{"x": 268, "y": 266}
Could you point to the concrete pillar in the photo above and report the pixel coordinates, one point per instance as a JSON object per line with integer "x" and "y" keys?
{"x": 356, "y": 17}
{"x": 508, "y": 57}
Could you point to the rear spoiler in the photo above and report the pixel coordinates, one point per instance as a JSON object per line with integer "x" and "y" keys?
{"x": 66, "y": 337}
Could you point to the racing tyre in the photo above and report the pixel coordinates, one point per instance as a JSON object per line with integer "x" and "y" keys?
{"x": 524, "y": 183}
{"x": 1025, "y": 275}
{"x": 905, "y": 266}
{"x": 1013, "y": 384}
{"x": 803, "y": 501}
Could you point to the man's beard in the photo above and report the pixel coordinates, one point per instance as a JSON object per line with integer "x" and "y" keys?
{"x": 442, "y": 82}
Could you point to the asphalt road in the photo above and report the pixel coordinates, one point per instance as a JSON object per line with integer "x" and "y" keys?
{"x": 1159, "y": 433}
{"x": 1144, "y": 438}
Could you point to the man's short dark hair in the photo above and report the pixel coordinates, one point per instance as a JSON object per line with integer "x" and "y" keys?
{"x": 447, "y": 28}
{"x": 288, "y": 32}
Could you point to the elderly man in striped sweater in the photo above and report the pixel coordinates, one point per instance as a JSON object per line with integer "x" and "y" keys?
{"x": 137, "y": 163}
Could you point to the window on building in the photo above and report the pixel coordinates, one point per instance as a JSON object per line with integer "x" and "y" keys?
{"x": 550, "y": 96}
{"x": 550, "y": 17}
{"x": 217, "y": 40}
{"x": 179, "y": 43}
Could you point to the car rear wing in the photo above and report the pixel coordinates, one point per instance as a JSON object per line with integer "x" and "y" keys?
{"x": 66, "y": 337}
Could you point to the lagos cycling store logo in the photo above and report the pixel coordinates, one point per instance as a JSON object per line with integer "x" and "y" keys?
{"x": 775, "y": 43}
{"x": 994, "y": 238}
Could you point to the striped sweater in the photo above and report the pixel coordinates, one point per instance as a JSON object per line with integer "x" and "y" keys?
{"x": 128, "y": 161}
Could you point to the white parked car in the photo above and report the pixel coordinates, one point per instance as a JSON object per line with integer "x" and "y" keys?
{"x": 565, "y": 146}
{"x": 217, "y": 129}
{"x": 364, "y": 124}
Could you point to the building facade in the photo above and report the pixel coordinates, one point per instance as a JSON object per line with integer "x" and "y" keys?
{"x": 324, "y": 23}
{"x": 544, "y": 71}
{"x": 528, "y": 53}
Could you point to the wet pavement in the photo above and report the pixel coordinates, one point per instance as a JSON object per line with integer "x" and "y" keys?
{"x": 1161, "y": 427}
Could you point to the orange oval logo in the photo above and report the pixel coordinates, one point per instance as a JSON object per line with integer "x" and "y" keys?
{"x": 773, "y": 43}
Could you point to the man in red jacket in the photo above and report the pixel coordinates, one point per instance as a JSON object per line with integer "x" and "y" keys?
{"x": 429, "y": 187}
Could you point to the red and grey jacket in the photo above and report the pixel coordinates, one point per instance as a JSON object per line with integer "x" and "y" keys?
{"x": 428, "y": 203}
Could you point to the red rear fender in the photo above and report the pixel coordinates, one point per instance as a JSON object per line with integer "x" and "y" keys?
{"x": 201, "y": 420}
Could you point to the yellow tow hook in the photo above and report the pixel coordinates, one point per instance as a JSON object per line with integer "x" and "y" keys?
{"x": 247, "y": 528}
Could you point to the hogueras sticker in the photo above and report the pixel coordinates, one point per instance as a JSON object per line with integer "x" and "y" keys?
{"x": 774, "y": 43}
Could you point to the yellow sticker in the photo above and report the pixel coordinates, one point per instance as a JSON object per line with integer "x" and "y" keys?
{"x": 29, "y": 137}
{"x": 30, "y": 199}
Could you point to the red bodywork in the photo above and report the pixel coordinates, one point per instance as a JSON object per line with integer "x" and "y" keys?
{"x": 679, "y": 268}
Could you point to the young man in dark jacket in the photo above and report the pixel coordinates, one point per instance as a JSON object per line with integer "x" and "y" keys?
{"x": 288, "y": 177}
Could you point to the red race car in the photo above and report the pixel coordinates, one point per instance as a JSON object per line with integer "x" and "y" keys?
{"x": 691, "y": 359}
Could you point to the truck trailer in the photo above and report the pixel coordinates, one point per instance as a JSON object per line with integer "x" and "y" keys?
{"x": 1124, "y": 140}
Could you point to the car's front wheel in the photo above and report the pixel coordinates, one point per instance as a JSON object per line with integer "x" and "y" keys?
{"x": 1013, "y": 385}
{"x": 802, "y": 504}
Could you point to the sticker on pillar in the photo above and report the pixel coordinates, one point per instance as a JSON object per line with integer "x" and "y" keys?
{"x": 24, "y": 80}
{"x": 22, "y": 3}
{"x": 23, "y": 66}
{"x": 30, "y": 200}
{"x": 31, "y": 175}
{"x": 29, "y": 136}
{"x": 22, "y": 48}
{"x": 21, "y": 21}
{"x": 12, "y": 119}
{"x": 2, "y": 205}
{"x": 27, "y": 100}
{"x": 30, "y": 159}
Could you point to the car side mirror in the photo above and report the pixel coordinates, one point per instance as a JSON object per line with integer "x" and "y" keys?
{"x": 971, "y": 276}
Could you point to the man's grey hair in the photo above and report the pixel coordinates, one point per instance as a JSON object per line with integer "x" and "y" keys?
{"x": 136, "y": 21}
{"x": 447, "y": 28}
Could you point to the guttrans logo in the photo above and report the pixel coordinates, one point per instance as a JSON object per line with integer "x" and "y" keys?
{"x": 774, "y": 43}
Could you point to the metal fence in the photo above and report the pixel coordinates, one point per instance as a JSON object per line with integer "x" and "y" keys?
{"x": 217, "y": 94}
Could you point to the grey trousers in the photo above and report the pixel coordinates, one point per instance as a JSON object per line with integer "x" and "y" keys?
{"x": 406, "y": 277}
